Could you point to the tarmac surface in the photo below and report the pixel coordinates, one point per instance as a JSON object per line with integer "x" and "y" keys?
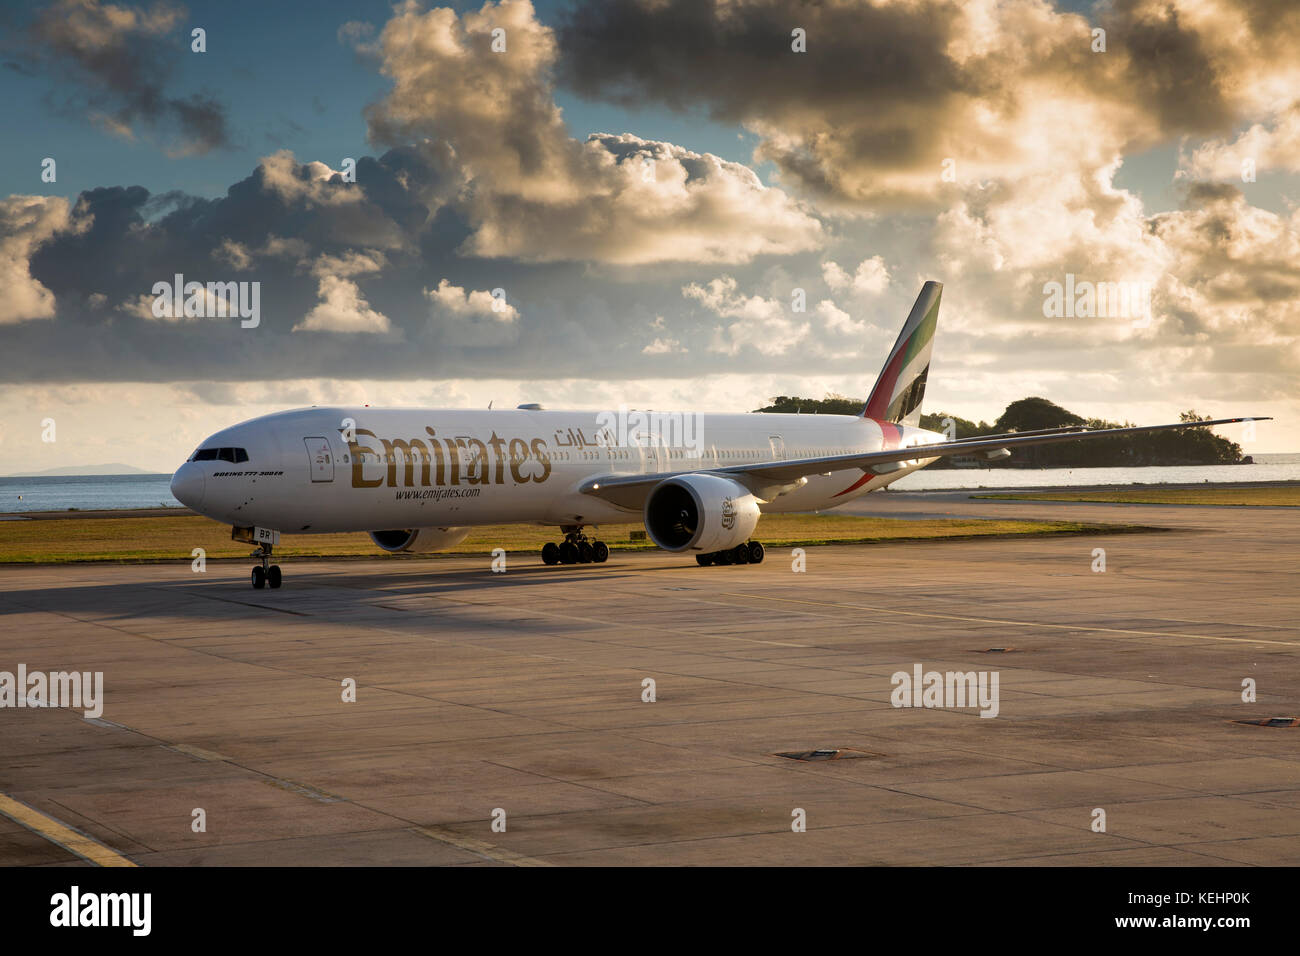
{"x": 522, "y": 692}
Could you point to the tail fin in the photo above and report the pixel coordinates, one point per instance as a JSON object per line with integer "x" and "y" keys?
{"x": 901, "y": 386}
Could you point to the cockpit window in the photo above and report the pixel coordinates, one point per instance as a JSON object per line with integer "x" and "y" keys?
{"x": 232, "y": 455}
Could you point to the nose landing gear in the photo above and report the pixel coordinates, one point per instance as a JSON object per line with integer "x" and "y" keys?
{"x": 576, "y": 548}
{"x": 265, "y": 573}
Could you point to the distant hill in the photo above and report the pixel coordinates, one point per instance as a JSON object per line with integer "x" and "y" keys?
{"x": 76, "y": 471}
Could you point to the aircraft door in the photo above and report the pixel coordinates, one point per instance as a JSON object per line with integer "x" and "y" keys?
{"x": 649, "y": 448}
{"x": 320, "y": 458}
{"x": 778, "y": 447}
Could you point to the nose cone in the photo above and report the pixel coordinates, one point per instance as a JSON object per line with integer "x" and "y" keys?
{"x": 187, "y": 485}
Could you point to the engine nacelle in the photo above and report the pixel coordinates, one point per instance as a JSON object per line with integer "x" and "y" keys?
{"x": 702, "y": 513}
{"x": 418, "y": 540}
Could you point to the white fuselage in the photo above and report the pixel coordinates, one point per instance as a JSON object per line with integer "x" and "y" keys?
{"x": 335, "y": 469}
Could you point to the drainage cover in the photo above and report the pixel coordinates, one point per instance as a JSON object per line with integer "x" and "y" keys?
{"x": 1272, "y": 722}
{"x": 827, "y": 754}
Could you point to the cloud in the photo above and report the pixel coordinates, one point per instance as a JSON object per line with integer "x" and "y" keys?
{"x": 663, "y": 346}
{"x": 888, "y": 93}
{"x": 351, "y": 263}
{"x": 280, "y": 247}
{"x": 653, "y": 202}
{"x": 836, "y": 320}
{"x": 234, "y": 253}
{"x": 215, "y": 302}
{"x": 290, "y": 226}
{"x": 1234, "y": 273}
{"x": 473, "y": 319}
{"x": 113, "y": 51}
{"x": 342, "y": 309}
{"x": 540, "y": 195}
{"x": 1225, "y": 288}
{"x": 611, "y": 248}
{"x": 1265, "y": 147}
{"x": 759, "y": 323}
{"x": 312, "y": 182}
{"x": 360, "y": 35}
{"x": 869, "y": 278}
{"x": 25, "y": 223}
{"x": 484, "y": 304}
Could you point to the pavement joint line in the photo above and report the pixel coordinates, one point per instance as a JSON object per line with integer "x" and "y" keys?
{"x": 198, "y": 753}
{"x": 482, "y": 848}
{"x": 60, "y": 834}
{"x": 989, "y": 620}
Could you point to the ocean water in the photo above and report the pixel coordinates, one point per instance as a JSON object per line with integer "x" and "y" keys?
{"x": 1266, "y": 468}
{"x": 86, "y": 493}
{"x": 117, "y": 492}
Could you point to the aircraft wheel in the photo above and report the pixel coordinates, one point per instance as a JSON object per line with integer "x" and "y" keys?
{"x": 755, "y": 552}
{"x": 273, "y": 575}
{"x": 704, "y": 560}
{"x": 601, "y": 552}
{"x": 259, "y": 576}
{"x": 586, "y": 554}
{"x": 550, "y": 553}
{"x": 568, "y": 553}
{"x": 722, "y": 557}
{"x": 740, "y": 554}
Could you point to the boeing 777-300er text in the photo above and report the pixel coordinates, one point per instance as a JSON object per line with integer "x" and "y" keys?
{"x": 417, "y": 479}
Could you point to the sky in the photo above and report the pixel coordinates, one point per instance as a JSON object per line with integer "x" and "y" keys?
{"x": 663, "y": 203}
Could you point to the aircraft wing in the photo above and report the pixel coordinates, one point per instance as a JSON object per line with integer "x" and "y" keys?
{"x": 767, "y": 479}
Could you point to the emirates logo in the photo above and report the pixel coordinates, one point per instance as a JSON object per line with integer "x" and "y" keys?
{"x": 728, "y": 514}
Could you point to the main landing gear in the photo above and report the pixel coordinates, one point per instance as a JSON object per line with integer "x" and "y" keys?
{"x": 750, "y": 552}
{"x": 576, "y": 548}
{"x": 265, "y": 573}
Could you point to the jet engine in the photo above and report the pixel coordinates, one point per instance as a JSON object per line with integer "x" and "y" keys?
{"x": 702, "y": 513}
{"x": 418, "y": 540}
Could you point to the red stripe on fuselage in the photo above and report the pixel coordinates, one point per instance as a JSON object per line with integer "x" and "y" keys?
{"x": 893, "y": 438}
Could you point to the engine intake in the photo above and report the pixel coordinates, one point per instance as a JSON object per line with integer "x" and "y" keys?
{"x": 700, "y": 513}
{"x": 418, "y": 540}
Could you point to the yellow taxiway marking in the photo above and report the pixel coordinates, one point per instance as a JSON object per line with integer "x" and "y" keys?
{"x": 488, "y": 850}
{"x": 56, "y": 832}
{"x": 993, "y": 620}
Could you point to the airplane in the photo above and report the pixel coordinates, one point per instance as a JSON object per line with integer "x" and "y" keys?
{"x": 417, "y": 480}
